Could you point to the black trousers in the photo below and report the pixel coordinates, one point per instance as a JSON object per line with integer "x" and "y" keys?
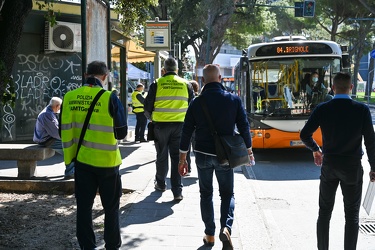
{"x": 89, "y": 180}
{"x": 140, "y": 127}
{"x": 348, "y": 173}
{"x": 167, "y": 141}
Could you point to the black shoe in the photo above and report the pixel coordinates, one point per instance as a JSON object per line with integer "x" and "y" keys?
{"x": 143, "y": 140}
{"x": 137, "y": 140}
{"x": 225, "y": 238}
{"x": 178, "y": 198}
{"x": 159, "y": 188}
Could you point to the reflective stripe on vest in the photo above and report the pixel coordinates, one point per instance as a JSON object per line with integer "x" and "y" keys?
{"x": 137, "y": 105}
{"x": 90, "y": 126}
{"x": 99, "y": 147}
{"x": 171, "y": 100}
{"x": 90, "y": 145}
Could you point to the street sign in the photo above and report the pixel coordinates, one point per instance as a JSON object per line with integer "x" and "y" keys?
{"x": 372, "y": 53}
{"x": 158, "y": 35}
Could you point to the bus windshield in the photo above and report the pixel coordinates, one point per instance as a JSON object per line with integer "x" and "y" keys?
{"x": 291, "y": 85}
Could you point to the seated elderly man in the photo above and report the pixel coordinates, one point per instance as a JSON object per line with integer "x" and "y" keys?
{"x": 46, "y": 132}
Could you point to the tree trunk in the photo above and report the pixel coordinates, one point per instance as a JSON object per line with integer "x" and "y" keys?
{"x": 370, "y": 75}
{"x": 360, "y": 45}
{"x": 13, "y": 16}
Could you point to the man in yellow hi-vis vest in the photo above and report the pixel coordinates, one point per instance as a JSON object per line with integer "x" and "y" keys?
{"x": 165, "y": 105}
{"x": 98, "y": 159}
{"x": 138, "y": 110}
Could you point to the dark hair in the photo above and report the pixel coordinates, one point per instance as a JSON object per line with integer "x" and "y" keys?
{"x": 170, "y": 65}
{"x": 342, "y": 81}
{"x": 97, "y": 68}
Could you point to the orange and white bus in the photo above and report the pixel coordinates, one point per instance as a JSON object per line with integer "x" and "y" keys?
{"x": 274, "y": 82}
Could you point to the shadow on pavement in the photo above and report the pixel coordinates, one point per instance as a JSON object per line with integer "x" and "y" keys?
{"x": 144, "y": 211}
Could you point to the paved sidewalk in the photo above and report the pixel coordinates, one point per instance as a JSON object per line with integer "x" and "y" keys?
{"x": 154, "y": 221}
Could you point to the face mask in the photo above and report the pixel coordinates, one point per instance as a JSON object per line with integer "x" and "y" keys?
{"x": 315, "y": 79}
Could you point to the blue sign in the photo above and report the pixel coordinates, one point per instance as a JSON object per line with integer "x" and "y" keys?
{"x": 372, "y": 53}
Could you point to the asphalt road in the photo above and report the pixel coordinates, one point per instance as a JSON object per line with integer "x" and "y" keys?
{"x": 285, "y": 185}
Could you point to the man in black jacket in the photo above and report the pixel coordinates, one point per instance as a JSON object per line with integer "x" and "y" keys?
{"x": 227, "y": 112}
{"x": 343, "y": 123}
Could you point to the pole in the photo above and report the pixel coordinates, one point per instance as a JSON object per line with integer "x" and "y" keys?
{"x": 109, "y": 45}
{"x": 157, "y": 63}
{"x": 83, "y": 38}
{"x": 369, "y": 85}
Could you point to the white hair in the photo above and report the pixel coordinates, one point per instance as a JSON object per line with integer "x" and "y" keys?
{"x": 55, "y": 101}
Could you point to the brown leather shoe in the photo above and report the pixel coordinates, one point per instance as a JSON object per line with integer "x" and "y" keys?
{"x": 209, "y": 240}
{"x": 225, "y": 238}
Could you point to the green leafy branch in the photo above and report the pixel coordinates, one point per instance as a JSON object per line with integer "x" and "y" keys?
{"x": 9, "y": 95}
{"x": 50, "y": 15}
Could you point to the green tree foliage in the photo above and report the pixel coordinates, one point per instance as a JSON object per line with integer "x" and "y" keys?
{"x": 248, "y": 24}
{"x": 287, "y": 23}
{"x": 134, "y": 13}
{"x": 331, "y": 15}
{"x": 207, "y": 24}
{"x": 369, "y": 5}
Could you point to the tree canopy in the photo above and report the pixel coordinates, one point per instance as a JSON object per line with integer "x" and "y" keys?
{"x": 207, "y": 24}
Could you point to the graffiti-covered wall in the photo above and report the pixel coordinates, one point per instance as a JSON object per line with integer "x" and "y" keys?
{"x": 38, "y": 76}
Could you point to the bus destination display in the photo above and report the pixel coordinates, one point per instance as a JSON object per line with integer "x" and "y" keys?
{"x": 293, "y": 49}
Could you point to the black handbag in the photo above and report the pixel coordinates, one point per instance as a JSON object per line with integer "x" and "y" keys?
{"x": 230, "y": 149}
{"x": 150, "y": 131}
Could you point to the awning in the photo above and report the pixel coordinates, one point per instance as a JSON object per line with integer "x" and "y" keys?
{"x": 137, "y": 54}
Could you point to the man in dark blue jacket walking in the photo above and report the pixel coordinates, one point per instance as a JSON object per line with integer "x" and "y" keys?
{"x": 226, "y": 112}
{"x": 343, "y": 123}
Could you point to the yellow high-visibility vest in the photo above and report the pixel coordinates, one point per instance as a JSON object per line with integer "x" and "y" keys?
{"x": 137, "y": 105}
{"x": 99, "y": 147}
{"x": 171, "y": 101}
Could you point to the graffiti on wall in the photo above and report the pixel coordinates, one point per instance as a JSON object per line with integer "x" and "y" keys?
{"x": 38, "y": 78}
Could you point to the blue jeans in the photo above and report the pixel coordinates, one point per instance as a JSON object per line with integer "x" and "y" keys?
{"x": 56, "y": 145}
{"x": 349, "y": 174}
{"x": 206, "y": 166}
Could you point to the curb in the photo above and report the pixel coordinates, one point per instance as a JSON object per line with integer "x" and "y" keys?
{"x": 37, "y": 186}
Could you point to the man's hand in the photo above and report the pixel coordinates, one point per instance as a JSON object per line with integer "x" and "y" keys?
{"x": 372, "y": 176}
{"x": 182, "y": 167}
{"x": 318, "y": 158}
{"x": 252, "y": 159}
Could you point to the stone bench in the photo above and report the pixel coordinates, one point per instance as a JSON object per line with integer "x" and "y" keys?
{"x": 26, "y": 156}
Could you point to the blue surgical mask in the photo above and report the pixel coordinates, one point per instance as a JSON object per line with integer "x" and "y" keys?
{"x": 315, "y": 79}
